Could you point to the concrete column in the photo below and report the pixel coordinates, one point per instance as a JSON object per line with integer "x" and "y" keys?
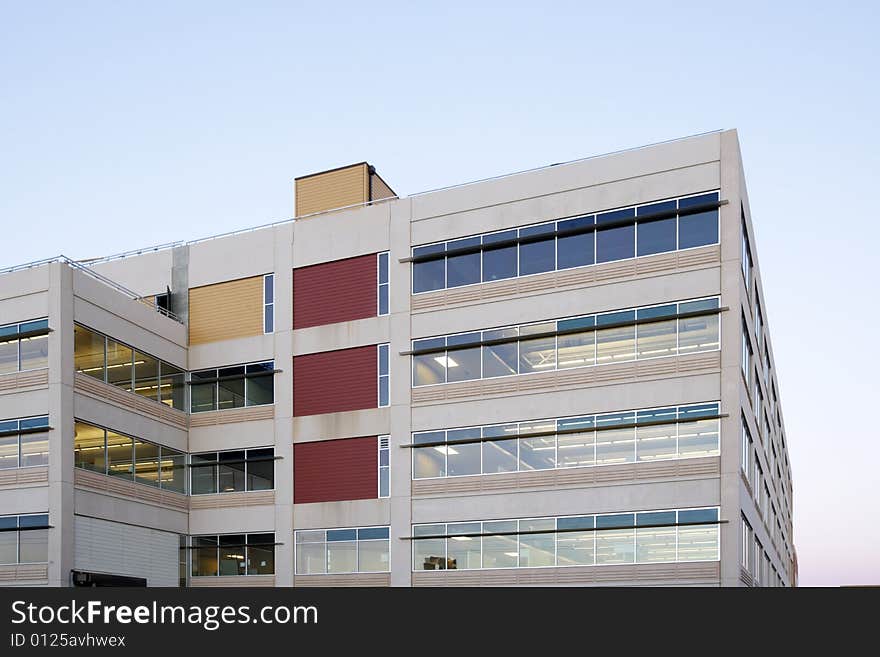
{"x": 61, "y": 368}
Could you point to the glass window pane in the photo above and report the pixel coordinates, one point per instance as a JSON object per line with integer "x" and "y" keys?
{"x": 615, "y": 243}
{"x": 500, "y": 455}
{"x": 500, "y": 359}
{"x": 261, "y": 554}
{"x": 260, "y": 390}
{"x": 383, "y": 268}
{"x": 463, "y": 364}
{"x": 34, "y": 449}
{"x": 429, "y": 461}
{"x": 173, "y": 387}
{"x": 260, "y": 473}
{"x": 575, "y": 250}
{"x": 34, "y": 546}
{"x": 463, "y": 269}
{"x": 615, "y": 345}
{"x": 173, "y": 470}
{"x": 500, "y": 551}
{"x": 119, "y": 455}
{"x": 615, "y": 445}
{"x": 311, "y": 558}
{"x": 88, "y": 448}
{"x": 88, "y": 352}
{"x": 230, "y": 391}
{"x": 576, "y": 450}
{"x": 204, "y": 556}
{"x": 204, "y": 477}
{"x": 575, "y": 549}
{"x": 230, "y": 472}
{"x": 431, "y": 274}
{"x": 232, "y": 557}
{"x": 463, "y": 551}
{"x": 699, "y": 543}
{"x": 383, "y": 300}
{"x": 539, "y": 354}
{"x": 655, "y": 544}
{"x": 463, "y": 459}
{"x": 119, "y": 364}
{"x": 9, "y": 356}
{"x": 8, "y": 452}
{"x": 657, "y": 339}
{"x": 615, "y": 546}
{"x": 34, "y": 352}
{"x": 698, "y": 438}
{"x": 538, "y": 453}
{"x": 698, "y": 334}
{"x": 269, "y": 319}
{"x": 429, "y": 369}
{"x": 539, "y": 256}
{"x": 146, "y": 463}
{"x": 576, "y": 349}
{"x": 203, "y": 396}
{"x": 430, "y": 553}
{"x": 697, "y": 229}
{"x": 537, "y": 550}
{"x": 656, "y": 236}
{"x": 8, "y": 542}
{"x": 146, "y": 376}
{"x": 373, "y": 556}
{"x": 499, "y": 263}
{"x": 342, "y": 557}
{"x": 658, "y": 442}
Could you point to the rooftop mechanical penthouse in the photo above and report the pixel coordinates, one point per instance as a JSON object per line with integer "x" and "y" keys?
{"x": 556, "y": 377}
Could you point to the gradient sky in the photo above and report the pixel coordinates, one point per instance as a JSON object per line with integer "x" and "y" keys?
{"x": 126, "y": 124}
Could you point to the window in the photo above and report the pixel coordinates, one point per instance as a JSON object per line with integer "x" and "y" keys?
{"x": 625, "y": 437}
{"x": 622, "y": 538}
{"x": 384, "y": 376}
{"x": 747, "y": 449}
{"x": 232, "y": 471}
{"x": 109, "y": 453}
{"x": 232, "y": 387}
{"x": 355, "y": 550}
{"x": 113, "y": 362}
{"x": 24, "y": 443}
{"x": 746, "y": 257}
{"x": 233, "y": 554}
{"x": 746, "y": 353}
{"x": 618, "y": 336}
{"x": 746, "y": 544}
{"x": 384, "y": 467}
{"x": 269, "y": 303}
{"x": 24, "y": 539}
{"x": 382, "y": 278}
{"x": 658, "y": 227}
{"x": 24, "y": 346}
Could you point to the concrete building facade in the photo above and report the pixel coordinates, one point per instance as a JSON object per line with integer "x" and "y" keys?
{"x": 557, "y": 377}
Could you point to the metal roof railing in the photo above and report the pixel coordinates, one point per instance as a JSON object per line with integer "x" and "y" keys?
{"x": 98, "y": 277}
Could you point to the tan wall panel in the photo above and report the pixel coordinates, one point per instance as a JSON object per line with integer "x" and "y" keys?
{"x": 226, "y": 310}
{"x": 379, "y": 188}
{"x": 334, "y": 189}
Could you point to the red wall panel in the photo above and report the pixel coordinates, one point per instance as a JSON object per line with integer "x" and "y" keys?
{"x": 333, "y": 470}
{"x": 334, "y": 381}
{"x": 336, "y": 291}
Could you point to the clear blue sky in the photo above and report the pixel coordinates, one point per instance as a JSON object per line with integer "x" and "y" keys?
{"x": 124, "y": 124}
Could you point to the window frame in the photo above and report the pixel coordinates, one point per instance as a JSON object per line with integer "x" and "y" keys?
{"x": 245, "y": 548}
{"x": 216, "y": 380}
{"x": 358, "y": 540}
{"x": 383, "y": 351}
{"x": 383, "y": 287}
{"x": 41, "y": 332}
{"x": 18, "y": 529}
{"x": 383, "y": 444}
{"x": 267, "y": 303}
{"x": 216, "y": 466}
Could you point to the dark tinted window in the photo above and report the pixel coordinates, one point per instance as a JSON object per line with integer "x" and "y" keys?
{"x": 538, "y": 256}
{"x": 615, "y": 243}
{"x": 656, "y": 236}
{"x": 697, "y": 229}
{"x": 499, "y": 262}
{"x": 431, "y": 274}
{"x": 575, "y": 250}
{"x": 463, "y": 269}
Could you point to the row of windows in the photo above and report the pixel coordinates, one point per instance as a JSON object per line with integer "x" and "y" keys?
{"x": 113, "y": 362}
{"x": 24, "y": 346}
{"x": 675, "y": 432}
{"x": 356, "y": 550}
{"x": 232, "y": 472}
{"x": 24, "y": 539}
{"x": 233, "y": 554}
{"x": 568, "y": 243}
{"x": 114, "y": 454}
{"x": 232, "y": 387}
{"x": 621, "y": 538}
{"x": 560, "y": 344}
{"x": 24, "y": 443}
{"x": 755, "y": 560}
